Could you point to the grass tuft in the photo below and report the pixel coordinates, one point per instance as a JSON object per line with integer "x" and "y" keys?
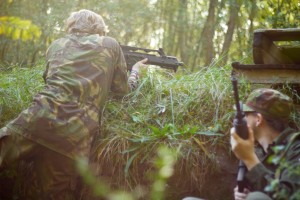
{"x": 190, "y": 113}
{"x": 17, "y": 87}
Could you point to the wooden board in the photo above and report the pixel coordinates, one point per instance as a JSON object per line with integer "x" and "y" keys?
{"x": 269, "y": 74}
{"x": 265, "y": 50}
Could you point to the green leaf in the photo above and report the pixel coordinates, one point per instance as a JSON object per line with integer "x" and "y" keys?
{"x": 129, "y": 163}
{"x": 135, "y": 118}
{"x": 208, "y": 133}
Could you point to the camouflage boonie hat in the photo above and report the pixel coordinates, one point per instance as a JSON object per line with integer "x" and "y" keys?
{"x": 269, "y": 103}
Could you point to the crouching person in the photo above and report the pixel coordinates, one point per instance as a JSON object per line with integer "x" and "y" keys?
{"x": 273, "y": 173}
{"x": 58, "y": 127}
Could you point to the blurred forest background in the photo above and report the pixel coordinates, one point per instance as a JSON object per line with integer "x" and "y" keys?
{"x": 196, "y": 31}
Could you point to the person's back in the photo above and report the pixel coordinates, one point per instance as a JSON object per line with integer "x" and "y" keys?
{"x": 79, "y": 75}
{"x": 82, "y": 66}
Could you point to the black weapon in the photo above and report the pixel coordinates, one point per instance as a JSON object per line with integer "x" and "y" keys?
{"x": 135, "y": 54}
{"x": 241, "y": 129}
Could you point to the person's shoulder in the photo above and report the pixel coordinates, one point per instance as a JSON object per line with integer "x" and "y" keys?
{"x": 57, "y": 42}
{"x": 56, "y": 45}
{"x": 110, "y": 42}
{"x": 293, "y": 143}
{"x": 104, "y": 41}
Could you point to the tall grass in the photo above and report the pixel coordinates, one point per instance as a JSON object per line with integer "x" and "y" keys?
{"x": 17, "y": 87}
{"x": 188, "y": 112}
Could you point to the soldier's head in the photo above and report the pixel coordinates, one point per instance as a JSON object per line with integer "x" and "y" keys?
{"x": 269, "y": 107}
{"x": 86, "y": 21}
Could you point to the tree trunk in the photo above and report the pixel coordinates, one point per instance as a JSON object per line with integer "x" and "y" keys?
{"x": 208, "y": 33}
{"x": 182, "y": 30}
{"x": 205, "y": 41}
{"x": 169, "y": 36}
{"x": 234, "y": 9}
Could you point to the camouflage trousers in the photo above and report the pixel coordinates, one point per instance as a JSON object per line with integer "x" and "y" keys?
{"x": 55, "y": 174}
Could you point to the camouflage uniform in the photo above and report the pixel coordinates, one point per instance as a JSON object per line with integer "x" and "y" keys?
{"x": 264, "y": 173}
{"x": 81, "y": 71}
{"x": 274, "y": 105}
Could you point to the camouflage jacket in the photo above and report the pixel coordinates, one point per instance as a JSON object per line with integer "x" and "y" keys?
{"x": 282, "y": 164}
{"x": 81, "y": 70}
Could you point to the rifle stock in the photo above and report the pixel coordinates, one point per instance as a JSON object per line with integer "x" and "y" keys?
{"x": 135, "y": 54}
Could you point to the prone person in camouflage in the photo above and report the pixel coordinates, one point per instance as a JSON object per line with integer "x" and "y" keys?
{"x": 82, "y": 68}
{"x": 267, "y": 113}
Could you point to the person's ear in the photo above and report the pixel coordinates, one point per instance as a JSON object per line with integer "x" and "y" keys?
{"x": 259, "y": 119}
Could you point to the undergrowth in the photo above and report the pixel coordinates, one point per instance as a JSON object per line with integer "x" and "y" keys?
{"x": 17, "y": 87}
{"x": 190, "y": 113}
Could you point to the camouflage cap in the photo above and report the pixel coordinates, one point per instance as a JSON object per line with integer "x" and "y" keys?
{"x": 271, "y": 103}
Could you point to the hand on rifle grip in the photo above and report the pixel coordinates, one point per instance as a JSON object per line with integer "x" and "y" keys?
{"x": 142, "y": 63}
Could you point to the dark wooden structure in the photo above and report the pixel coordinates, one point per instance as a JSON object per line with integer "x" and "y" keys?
{"x": 276, "y": 56}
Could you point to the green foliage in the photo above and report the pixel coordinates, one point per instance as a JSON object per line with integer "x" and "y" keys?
{"x": 177, "y": 26}
{"x": 18, "y": 29}
{"x": 281, "y": 13}
{"x": 164, "y": 167}
{"x": 188, "y": 112}
{"x": 191, "y": 113}
{"x": 99, "y": 188}
{"x": 166, "y": 109}
{"x": 17, "y": 87}
{"x": 171, "y": 105}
